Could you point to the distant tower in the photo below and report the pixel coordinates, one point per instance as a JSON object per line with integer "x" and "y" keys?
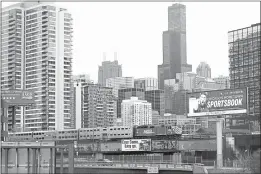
{"x": 115, "y": 56}
{"x": 108, "y": 69}
{"x": 104, "y": 56}
{"x": 204, "y": 70}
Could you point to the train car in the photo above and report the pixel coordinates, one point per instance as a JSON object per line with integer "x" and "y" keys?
{"x": 118, "y": 132}
{"x": 144, "y": 131}
{"x": 44, "y": 135}
{"x": 90, "y": 133}
{"x": 115, "y": 132}
{"x": 161, "y": 130}
{"x": 20, "y": 136}
{"x": 67, "y": 134}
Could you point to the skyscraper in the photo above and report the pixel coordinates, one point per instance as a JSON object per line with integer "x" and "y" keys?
{"x": 109, "y": 70}
{"x": 244, "y": 69}
{"x": 174, "y": 45}
{"x": 204, "y": 70}
{"x": 37, "y": 54}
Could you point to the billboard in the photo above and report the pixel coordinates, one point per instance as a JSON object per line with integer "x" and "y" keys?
{"x": 197, "y": 145}
{"x": 164, "y": 145}
{"x": 136, "y": 145}
{"x": 17, "y": 97}
{"x": 217, "y": 102}
{"x": 111, "y": 147}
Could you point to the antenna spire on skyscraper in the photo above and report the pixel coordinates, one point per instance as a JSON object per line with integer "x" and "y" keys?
{"x": 104, "y": 56}
{"x": 115, "y": 56}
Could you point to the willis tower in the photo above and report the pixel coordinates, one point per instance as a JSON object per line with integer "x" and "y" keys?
{"x": 174, "y": 45}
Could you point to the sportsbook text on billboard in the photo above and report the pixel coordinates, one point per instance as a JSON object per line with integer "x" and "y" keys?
{"x": 218, "y": 102}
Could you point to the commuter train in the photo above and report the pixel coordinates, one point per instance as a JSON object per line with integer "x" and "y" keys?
{"x": 100, "y": 133}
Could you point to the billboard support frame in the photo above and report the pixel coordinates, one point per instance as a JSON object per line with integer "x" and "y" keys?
{"x": 219, "y": 123}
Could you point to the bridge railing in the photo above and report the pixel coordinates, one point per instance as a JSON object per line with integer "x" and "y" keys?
{"x": 130, "y": 165}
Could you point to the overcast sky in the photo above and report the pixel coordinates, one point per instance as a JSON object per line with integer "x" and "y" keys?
{"x": 134, "y": 30}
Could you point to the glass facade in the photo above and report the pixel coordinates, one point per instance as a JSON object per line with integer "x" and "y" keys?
{"x": 157, "y": 100}
{"x": 244, "y": 69}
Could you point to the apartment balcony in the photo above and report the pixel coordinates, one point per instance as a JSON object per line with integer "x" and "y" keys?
{"x": 44, "y": 21}
{"x": 12, "y": 29}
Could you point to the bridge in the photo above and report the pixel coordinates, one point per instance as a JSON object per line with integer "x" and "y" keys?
{"x": 40, "y": 157}
{"x": 121, "y": 168}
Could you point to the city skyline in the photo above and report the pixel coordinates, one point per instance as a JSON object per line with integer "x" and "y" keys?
{"x": 205, "y": 34}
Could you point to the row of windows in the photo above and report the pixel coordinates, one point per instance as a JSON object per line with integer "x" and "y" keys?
{"x": 38, "y": 9}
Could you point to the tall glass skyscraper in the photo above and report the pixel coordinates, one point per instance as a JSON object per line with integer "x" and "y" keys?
{"x": 244, "y": 70}
{"x": 37, "y": 55}
{"x": 174, "y": 45}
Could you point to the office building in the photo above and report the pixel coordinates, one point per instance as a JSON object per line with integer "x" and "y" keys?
{"x": 146, "y": 83}
{"x": 127, "y": 93}
{"x": 119, "y": 83}
{"x": 98, "y": 108}
{"x": 191, "y": 81}
{"x": 180, "y": 102}
{"x": 109, "y": 69}
{"x": 37, "y": 55}
{"x": 244, "y": 70}
{"x": 78, "y": 82}
{"x": 157, "y": 100}
{"x": 136, "y": 112}
{"x": 155, "y": 117}
{"x": 170, "y": 87}
{"x": 204, "y": 70}
{"x": 224, "y": 80}
{"x": 174, "y": 45}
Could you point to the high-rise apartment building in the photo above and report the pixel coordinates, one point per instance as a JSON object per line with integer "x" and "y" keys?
{"x": 78, "y": 82}
{"x": 146, "y": 83}
{"x": 36, "y": 55}
{"x": 119, "y": 83}
{"x": 109, "y": 70}
{"x": 244, "y": 68}
{"x": 127, "y": 93}
{"x": 98, "y": 107}
{"x": 136, "y": 112}
{"x": 204, "y": 70}
{"x": 157, "y": 100}
{"x": 174, "y": 45}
